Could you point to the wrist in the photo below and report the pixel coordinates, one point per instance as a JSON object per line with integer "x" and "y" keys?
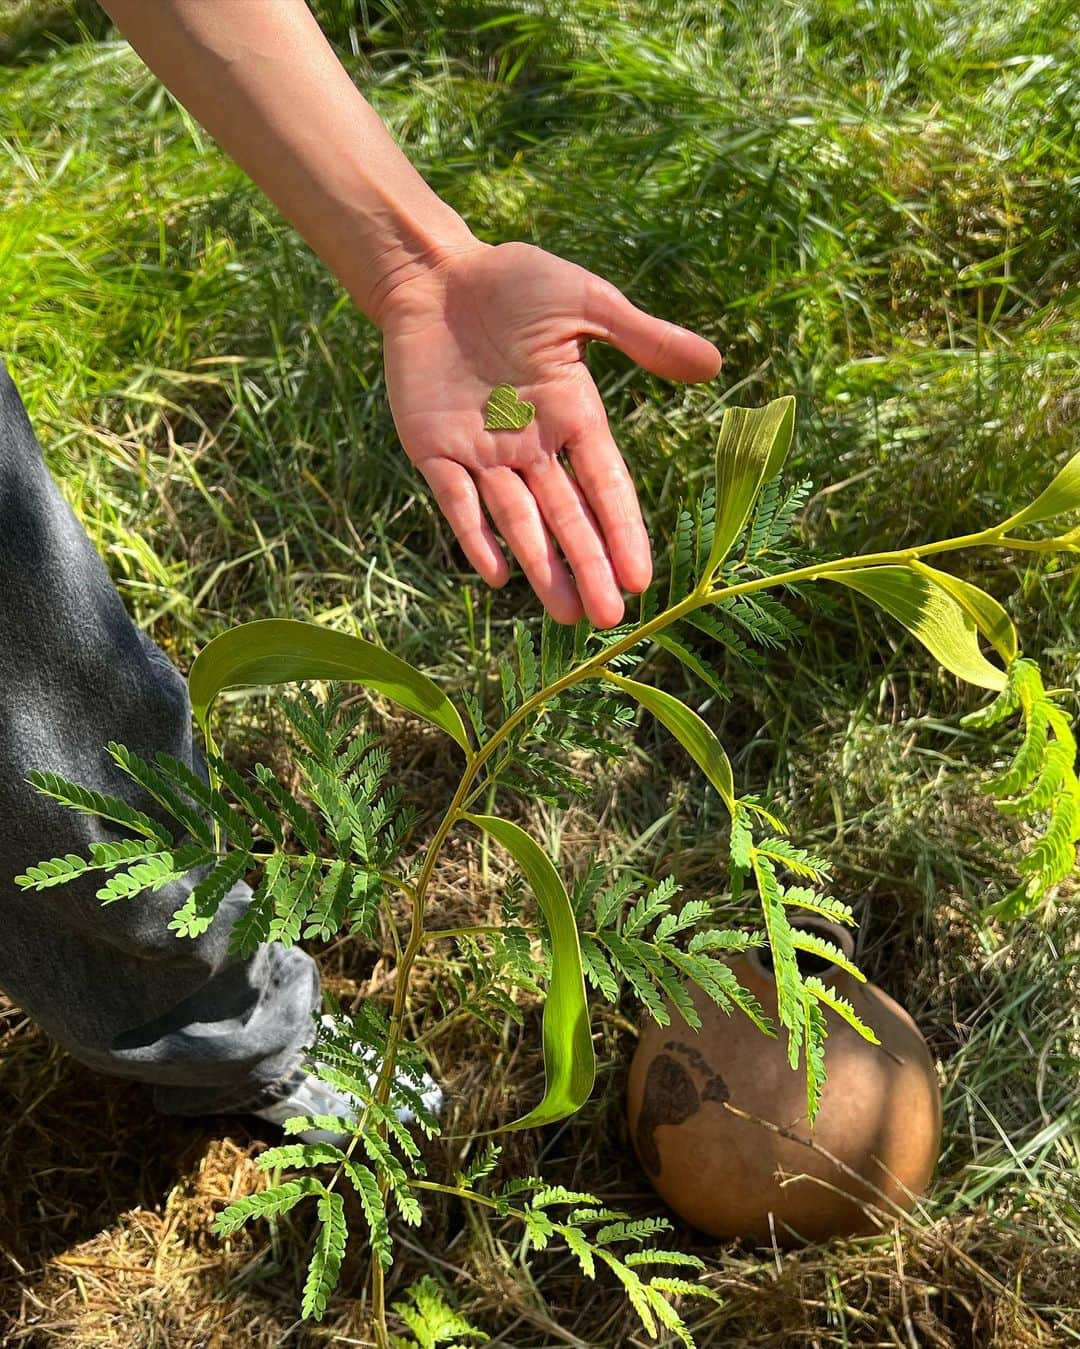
{"x": 410, "y": 264}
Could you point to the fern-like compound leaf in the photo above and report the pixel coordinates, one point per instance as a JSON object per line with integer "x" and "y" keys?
{"x": 155, "y": 871}
{"x": 610, "y": 901}
{"x": 666, "y": 1314}
{"x": 832, "y": 1000}
{"x": 718, "y": 981}
{"x": 814, "y": 944}
{"x": 307, "y": 831}
{"x": 294, "y": 1155}
{"x": 335, "y": 1124}
{"x": 650, "y": 906}
{"x": 627, "y": 960}
{"x": 765, "y": 619}
{"x": 794, "y": 859}
{"x": 1030, "y": 756}
{"x": 1040, "y": 786}
{"x": 782, "y": 946}
{"x": 252, "y": 802}
{"x": 802, "y": 897}
{"x": 327, "y": 912}
{"x": 390, "y": 1166}
{"x": 597, "y": 968}
{"x": 673, "y": 922}
{"x": 774, "y": 515}
{"x": 325, "y": 1267}
{"x": 103, "y": 857}
{"x": 266, "y": 1204}
{"x": 366, "y": 1185}
{"x": 817, "y": 1031}
{"x": 695, "y": 663}
{"x": 634, "y": 1288}
{"x": 709, "y": 622}
{"x": 89, "y": 802}
{"x": 292, "y": 898}
{"x": 199, "y": 909}
{"x": 722, "y": 939}
{"x": 657, "y": 1257}
{"x": 310, "y": 721}
{"x": 157, "y": 786}
{"x": 253, "y": 925}
{"x": 578, "y": 1245}
{"x": 430, "y": 1318}
{"x": 682, "y": 559}
{"x": 528, "y": 673}
{"x": 231, "y": 822}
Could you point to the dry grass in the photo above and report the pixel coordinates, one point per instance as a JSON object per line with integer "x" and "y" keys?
{"x": 107, "y": 1207}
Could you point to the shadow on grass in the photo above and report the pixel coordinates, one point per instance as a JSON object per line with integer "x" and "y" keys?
{"x": 77, "y": 1149}
{"x": 30, "y": 31}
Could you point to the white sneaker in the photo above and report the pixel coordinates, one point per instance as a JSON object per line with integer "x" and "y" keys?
{"x": 312, "y": 1096}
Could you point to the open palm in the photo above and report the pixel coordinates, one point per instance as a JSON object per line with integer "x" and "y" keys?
{"x": 515, "y": 314}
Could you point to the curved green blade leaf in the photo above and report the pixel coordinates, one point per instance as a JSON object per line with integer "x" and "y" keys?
{"x": 280, "y": 650}
{"x": 688, "y": 729}
{"x": 751, "y": 448}
{"x": 989, "y": 617}
{"x": 930, "y": 613}
{"x": 1063, "y": 494}
{"x": 569, "y": 1061}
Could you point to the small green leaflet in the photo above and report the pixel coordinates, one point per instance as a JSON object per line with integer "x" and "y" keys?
{"x": 751, "y": 448}
{"x": 929, "y": 612}
{"x": 506, "y": 411}
{"x": 569, "y": 1060}
{"x": 281, "y": 650}
{"x": 688, "y": 728}
{"x": 1062, "y": 495}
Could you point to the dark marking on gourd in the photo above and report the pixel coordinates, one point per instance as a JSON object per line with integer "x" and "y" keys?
{"x": 715, "y": 1087}
{"x": 671, "y": 1097}
{"x": 694, "y": 1056}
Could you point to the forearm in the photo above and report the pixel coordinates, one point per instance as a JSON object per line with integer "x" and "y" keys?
{"x": 260, "y": 76}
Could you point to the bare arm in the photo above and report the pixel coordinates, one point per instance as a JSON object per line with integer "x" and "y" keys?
{"x": 458, "y": 316}
{"x": 263, "y": 80}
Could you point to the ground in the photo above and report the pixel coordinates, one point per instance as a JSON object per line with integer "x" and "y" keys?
{"x": 870, "y": 205}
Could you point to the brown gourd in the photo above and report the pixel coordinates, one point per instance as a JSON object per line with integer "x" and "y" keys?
{"x": 733, "y": 1178}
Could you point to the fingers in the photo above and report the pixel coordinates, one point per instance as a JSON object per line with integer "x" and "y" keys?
{"x": 664, "y": 348}
{"x": 457, "y": 498}
{"x": 606, "y": 484}
{"x": 516, "y": 515}
{"x": 568, "y": 517}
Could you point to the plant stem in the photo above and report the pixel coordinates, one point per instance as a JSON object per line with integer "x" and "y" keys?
{"x": 986, "y": 538}
{"x": 469, "y": 931}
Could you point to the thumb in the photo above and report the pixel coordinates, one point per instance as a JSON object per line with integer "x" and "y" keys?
{"x": 665, "y": 349}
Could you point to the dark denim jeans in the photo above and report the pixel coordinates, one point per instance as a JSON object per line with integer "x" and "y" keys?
{"x": 112, "y": 984}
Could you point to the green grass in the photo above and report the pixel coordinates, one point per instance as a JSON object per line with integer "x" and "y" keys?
{"x": 873, "y": 205}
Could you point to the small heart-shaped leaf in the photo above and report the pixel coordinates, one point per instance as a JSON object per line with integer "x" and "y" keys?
{"x": 506, "y": 411}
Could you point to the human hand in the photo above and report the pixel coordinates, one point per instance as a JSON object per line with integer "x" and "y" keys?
{"x": 512, "y": 313}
